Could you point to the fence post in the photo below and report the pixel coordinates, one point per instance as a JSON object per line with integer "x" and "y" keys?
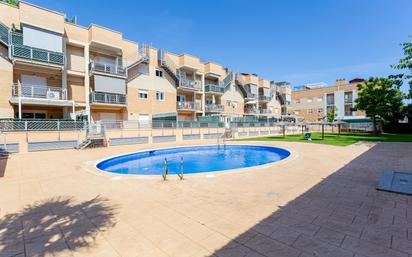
{"x": 284, "y": 130}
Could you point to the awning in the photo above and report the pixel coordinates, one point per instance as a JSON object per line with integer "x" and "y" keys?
{"x": 109, "y": 85}
{"x": 252, "y": 102}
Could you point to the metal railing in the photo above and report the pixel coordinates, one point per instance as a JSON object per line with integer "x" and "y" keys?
{"x": 107, "y": 68}
{"x": 214, "y": 107}
{"x": 4, "y": 34}
{"x": 348, "y": 100}
{"x": 107, "y": 98}
{"x": 18, "y": 50}
{"x": 265, "y": 111}
{"x": 141, "y": 55}
{"x": 251, "y": 95}
{"x": 251, "y": 111}
{"x": 188, "y": 106}
{"x": 228, "y": 79}
{"x": 42, "y": 125}
{"x": 192, "y": 84}
{"x": 348, "y": 113}
{"x": 37, "y": 91}
{"x": 214, "y": 88}
{"x": 264, "y": 98}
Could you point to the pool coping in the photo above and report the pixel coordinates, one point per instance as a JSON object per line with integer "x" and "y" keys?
{"x": 91, "y": 166}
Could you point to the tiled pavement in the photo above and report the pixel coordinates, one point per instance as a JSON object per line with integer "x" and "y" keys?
{"x": 319, "y": 202}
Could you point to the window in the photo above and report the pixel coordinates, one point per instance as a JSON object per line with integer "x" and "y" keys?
{"x": 228, "y": 103}
{"x": 320, "y": 110}
{"x": 310, "y": 111}
{"x": 319, "y": 99}
{"x": 160, "y": 96}
{"x": 181, "y": 98}
{"x": 309, "y": 100}
{"x": 159, "y": 73}
{"x": 234, "y": 104}
{"x": 209, "y": 101}
{"x": 143, "y": 94}
{"x": 297, "y": 101}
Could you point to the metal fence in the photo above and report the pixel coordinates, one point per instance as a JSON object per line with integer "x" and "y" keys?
{"x": 41, "y": 125}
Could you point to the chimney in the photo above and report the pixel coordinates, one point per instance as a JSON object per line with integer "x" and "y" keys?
{"x": 340, "y": 82}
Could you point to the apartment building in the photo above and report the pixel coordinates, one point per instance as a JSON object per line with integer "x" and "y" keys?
{"x": 54, "y": 69}
{"x": 313, "y": 102}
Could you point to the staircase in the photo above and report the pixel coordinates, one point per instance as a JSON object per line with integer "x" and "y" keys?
{"x": 228, "y": 79}
{"x": 96, "y": 137}
{"x": 168, "y": 66}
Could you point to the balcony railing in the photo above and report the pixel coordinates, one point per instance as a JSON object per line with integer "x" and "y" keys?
{"x": 265, "y": 111}
{"x": 191, "y": 84}
{"x": 187, "y": 106}
{"x": 214, "y": 88}
{"x": 18, "y": 50}
{"x": 4, "y": 34}
{"x": 107, "y": 68}
{"x": 348, "y": 100}
{"x": 214, "y": 107}
{"x": 228, "y": 79}
{"x": 251, "y": 111}
{"x": 107, "y": 98}
{"x": 40, "y": 92}
{"x": 251, "y": 95}
{"x": 348, "y": 113}
{"x": 264, "y": 98}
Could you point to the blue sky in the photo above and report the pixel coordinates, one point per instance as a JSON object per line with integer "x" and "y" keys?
{"x": 298, "y": 41}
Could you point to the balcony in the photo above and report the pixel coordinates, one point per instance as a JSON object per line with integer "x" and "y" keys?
{"x": 214, "y": 107}
{"x": 264, "y": 98}
{"x": 250, "y": 95}
{"x": 265, "y": 111}
{"x": 4, "y": 34}
{"x": 251, "y": 111}
{"x": 39, "y": 92}
{"x": 18, "y": 50}
{"x": 348, "y": 100}
{"x": 111, "y": 69}
{"x": 213, "y": 88}
{"x": 195, "y": 85}
{"x": 108, "y": 98}
{"x": 188, "y": 106}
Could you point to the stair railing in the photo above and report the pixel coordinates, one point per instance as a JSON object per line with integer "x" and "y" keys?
{"x": 182, "y": 168}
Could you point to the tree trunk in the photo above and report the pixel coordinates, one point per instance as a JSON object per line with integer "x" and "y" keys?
{"x": 375, "y": 129}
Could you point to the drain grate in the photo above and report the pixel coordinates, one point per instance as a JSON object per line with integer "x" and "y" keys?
{"x": 396, "y": 181}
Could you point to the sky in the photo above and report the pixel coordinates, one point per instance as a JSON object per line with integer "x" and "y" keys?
{"x": 299, "y": 41}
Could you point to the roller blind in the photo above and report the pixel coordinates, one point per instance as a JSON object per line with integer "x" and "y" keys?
{"x": 109, "y": 85}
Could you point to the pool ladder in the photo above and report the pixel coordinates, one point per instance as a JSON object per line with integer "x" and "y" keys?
{"x": 224, "y": 142}
{"x": 166, "y": 169}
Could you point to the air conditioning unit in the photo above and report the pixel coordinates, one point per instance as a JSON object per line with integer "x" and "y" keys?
{"x": 53, "y": 95}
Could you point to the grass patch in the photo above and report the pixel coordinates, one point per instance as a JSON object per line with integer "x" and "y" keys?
{"x": 343, "y": 139}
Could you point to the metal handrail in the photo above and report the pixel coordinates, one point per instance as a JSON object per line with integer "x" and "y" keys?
{"x": 187, "y": 83}
{"x": 38, "y": 91}
{"x": 214, "y": 88}
{"x": 107, "y": 68}
{"x": 4, "y": 34}
{"x": 214, "y": 107}
{"x": 228, "y": 79}
{"x": 182, "y": 168}
{"x": 18, "y": 50}
{"x": 165, "y": 169}
{"x": 264, "y": 98}
{"x": 188, "y": 105}
{"x": 109, "y": 98}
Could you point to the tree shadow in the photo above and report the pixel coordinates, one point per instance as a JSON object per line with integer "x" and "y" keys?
{"x": 343, "y": 215}
{"x": 54, "y": 226}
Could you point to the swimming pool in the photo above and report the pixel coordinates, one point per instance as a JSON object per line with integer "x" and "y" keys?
{"x": 196, "y": 159}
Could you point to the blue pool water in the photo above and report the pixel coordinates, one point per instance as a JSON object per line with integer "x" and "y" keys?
{"x": 197, "y": 159}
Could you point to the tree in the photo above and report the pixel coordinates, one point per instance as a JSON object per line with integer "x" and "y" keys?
{"x": 331, "y": 115}
{"x": 405, "y": 64}
{"x": 380, "y": 98}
